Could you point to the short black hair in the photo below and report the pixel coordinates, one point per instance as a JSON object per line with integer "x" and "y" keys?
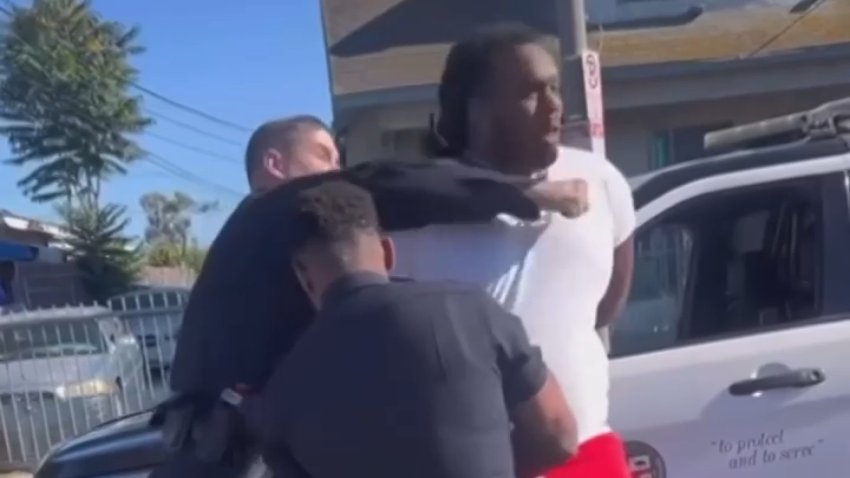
{"x": 283, "y": 133}
{"x": 333, "y": 212}
{"x": 467, "y": 68}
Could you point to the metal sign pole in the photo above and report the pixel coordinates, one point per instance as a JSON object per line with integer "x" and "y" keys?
{"x": 581, "y": 89}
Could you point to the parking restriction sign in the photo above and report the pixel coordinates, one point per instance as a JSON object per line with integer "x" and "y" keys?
{"x": 593, "y": 96}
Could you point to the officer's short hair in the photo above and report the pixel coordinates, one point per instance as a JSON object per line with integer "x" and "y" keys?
{"x": 334, "y": 213}
{"x": 282, "y": 134}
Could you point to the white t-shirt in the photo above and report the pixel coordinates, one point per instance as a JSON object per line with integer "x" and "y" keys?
{"x": 551, "y": 273}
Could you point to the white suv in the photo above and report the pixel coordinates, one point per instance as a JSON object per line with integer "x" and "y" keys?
{"x": 728, "y": 361}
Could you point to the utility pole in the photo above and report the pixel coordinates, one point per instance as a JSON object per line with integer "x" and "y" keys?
{"x": 572, "y": 34}
{"x": 581, "y": 89}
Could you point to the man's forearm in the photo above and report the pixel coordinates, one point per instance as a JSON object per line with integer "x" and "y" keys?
{"x": 545, "y": 432}
{"x": 614, "y": 301}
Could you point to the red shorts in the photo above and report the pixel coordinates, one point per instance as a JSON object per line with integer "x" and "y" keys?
{"x": 600, "y": 457}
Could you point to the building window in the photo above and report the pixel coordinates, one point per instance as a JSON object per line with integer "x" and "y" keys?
{"x": 408, "y": 142}
{"x": 677, "y": 145}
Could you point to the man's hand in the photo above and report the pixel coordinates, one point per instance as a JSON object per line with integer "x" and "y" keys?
{"x": 569, "y": 197}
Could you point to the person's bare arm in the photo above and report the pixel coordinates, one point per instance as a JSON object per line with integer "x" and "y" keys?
{"x": 544, "y": 434}
{"x": 544, "y": 429}
{"x": 568, "y": 197}
{"x": 614, "y": 300}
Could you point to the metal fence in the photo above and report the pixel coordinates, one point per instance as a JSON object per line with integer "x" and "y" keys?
{"x": 66, "y": 370}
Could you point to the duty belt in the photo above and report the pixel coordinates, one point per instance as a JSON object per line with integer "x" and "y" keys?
{"x": 211, "y": 429}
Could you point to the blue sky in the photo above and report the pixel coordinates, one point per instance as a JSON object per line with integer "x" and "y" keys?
{"x": 245, "y": 61}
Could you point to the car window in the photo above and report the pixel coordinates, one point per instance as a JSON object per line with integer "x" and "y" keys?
{"x": 651, "y": 318}
{"x": 728, "y": 263}
{"x": 51, "y": 339}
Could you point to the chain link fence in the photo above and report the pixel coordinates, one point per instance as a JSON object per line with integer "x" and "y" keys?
{"x": 66, "y": 370}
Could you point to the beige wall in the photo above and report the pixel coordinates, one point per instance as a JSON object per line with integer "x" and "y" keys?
{"x": 629, "y": 130}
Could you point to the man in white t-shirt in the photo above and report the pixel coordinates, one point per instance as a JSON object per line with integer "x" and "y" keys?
{"x": 565, "y": 277}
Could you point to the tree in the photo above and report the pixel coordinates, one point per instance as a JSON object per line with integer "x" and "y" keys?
{"x": 64, "y": 80}
{"x": 168, "y": 255}
{"x": 107, "y": 259}
{"x": 170, "y": 218}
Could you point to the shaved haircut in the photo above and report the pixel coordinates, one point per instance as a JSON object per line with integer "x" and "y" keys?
{"x": 282, "y": 134}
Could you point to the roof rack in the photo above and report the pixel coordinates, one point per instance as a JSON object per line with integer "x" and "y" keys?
{"x": 826, "y": 121}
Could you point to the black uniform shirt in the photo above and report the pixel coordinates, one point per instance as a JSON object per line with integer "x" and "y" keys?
{"x": 400, "y": 379}
{"x": 246, "y": 308}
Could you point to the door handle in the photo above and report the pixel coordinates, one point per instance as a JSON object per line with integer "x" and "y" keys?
{"x": 807, "y": 377}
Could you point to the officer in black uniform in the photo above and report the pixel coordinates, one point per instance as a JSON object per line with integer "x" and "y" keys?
{"x": 401, "y": 378}
{"x": 247, "y": 310}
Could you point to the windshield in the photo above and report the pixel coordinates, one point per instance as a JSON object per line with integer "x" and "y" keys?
{"x": 44, "y": 340}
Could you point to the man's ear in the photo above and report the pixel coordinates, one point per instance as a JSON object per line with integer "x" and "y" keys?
{"x": 274, "y": 164}
{"x": 389, "y": 252}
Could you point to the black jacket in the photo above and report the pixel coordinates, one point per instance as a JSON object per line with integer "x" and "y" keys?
{"x": 246, "y": 309}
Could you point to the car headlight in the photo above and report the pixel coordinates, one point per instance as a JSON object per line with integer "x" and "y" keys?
{"x": 88, "y": 388}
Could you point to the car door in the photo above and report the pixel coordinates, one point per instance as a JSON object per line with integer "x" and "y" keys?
{"x": 699, "y": 392}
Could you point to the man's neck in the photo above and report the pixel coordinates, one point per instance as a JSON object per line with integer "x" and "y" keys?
{"x": 351, "y": 279}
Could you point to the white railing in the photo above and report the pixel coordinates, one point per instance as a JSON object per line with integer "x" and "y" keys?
{"x": 66, "y": 370}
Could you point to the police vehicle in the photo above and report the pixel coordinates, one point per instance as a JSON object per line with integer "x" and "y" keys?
{"x": 728, "y": 361}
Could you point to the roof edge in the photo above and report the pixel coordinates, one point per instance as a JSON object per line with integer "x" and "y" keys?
{"x": 349, "y": 102}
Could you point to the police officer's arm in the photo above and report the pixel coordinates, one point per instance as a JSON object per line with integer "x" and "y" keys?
{"x": 409, "y": 195}
{"x": 415, "y": 194}
{"x": 544, "y": 432}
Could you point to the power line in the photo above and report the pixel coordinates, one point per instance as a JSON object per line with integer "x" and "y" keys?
{"x": 793, "y": 23}
{"x": 190, "y": 127}
{"x": 187, "y": 175}
{"x": 160, "y": 161}
{"x": 190, "y": 147}
{"x": 154, "y": 94}
{"x": 190, "y": 109}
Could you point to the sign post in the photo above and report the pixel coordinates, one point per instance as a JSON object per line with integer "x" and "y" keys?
{"x": 593, "y": 101}
{"x": 581, "y": 88}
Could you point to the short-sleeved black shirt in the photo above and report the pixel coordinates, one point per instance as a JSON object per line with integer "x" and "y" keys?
{"x": 246, "y": 308}
{"x": 401, "y": 379}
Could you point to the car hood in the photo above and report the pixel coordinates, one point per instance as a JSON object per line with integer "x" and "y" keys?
{"x": 127, "y": 444}
{"x": 46, "y": 374}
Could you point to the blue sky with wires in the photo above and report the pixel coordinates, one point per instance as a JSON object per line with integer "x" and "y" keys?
{"x": 213, "y": 70}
